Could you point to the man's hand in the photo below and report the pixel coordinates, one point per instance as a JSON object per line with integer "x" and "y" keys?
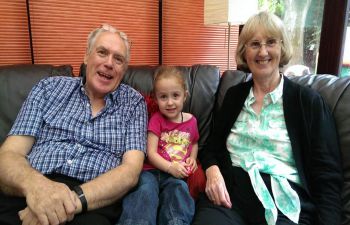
{"x": 216, "y": 189}
{"x": 52, "y": 203}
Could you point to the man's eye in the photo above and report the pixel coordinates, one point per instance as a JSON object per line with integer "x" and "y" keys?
{"x": 102, "y": 52}
{"x": 119, "y": 59}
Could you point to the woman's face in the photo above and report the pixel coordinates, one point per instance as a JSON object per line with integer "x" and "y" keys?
{"x": 263, "y": 54}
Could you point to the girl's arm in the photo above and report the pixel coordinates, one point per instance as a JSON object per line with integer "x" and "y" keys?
{"x": 191, "y": 161}
{"x": 176, "y": 169}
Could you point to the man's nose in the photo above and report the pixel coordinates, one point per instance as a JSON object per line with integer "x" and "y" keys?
{"x": 109, "y": 60}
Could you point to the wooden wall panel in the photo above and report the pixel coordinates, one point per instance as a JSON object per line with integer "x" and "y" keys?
{"x": 187, "y": 41}
{"x": 14, "y": 35}
{"x": 60, "y": 28}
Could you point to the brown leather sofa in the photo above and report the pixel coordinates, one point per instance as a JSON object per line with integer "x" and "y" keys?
{"x": 206, "y": 90}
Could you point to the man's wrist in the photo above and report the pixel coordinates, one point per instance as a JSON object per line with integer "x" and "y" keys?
{"x": 79, "y": 191}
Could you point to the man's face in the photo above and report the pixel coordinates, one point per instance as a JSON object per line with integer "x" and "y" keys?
{"x": 105, "y": 65}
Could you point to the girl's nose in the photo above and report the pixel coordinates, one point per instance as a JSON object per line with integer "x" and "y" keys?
{"x": 170, "y": 101}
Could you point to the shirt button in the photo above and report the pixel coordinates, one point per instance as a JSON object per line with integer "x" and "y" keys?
{"x": 69, "y": 161}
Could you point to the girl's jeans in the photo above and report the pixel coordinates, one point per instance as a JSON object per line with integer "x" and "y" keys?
{"x": 161, "y": 194}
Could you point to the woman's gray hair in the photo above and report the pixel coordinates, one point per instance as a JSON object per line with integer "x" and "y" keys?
{"x": 104, "y": 28}
{"x": 274, "y": 27}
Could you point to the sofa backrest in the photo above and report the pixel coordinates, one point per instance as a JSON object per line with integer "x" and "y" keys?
{"x": 16, "y": 81}
{"x": 202, "y": 81}
{"x": 336, "y": 92}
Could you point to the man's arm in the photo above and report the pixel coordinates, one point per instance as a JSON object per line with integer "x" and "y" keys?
{"x": 114, "y": 184}
{"x": 50, "y": 201}
{"x": 15, "y": 172}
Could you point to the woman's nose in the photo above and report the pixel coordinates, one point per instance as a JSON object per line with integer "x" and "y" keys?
{"x": 263, "y": 50}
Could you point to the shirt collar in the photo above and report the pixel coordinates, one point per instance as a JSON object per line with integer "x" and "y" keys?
{"x": 274, "y": 96}
{"x": 113, "y": 95}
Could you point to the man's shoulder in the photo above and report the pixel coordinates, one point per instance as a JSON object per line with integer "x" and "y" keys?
{"x": 129, "y": 93}
{"x": 59, "y": 81}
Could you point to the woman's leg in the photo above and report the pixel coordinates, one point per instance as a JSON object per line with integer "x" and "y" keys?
{"x": 209, "y": 214}
{"x": 140, "y": 205}
{"x": 176, "y": 204}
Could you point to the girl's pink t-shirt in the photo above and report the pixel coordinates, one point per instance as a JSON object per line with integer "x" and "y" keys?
{"x": 175, "y": 139}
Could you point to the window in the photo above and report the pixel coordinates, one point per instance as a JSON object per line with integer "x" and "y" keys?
{"x": 303, "y": 20}
{"x": 345, "y": 70}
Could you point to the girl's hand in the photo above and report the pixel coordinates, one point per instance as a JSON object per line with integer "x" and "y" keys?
{"x": 178, "y": 170}
{"x": 191, "y": 165}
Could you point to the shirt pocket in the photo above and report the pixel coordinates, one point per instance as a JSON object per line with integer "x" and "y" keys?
{"x": 277, "y": 124}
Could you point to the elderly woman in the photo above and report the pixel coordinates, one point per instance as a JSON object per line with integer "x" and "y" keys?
{"x": 273, "y": 155}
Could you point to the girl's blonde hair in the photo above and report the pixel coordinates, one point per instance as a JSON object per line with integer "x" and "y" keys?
{"x": 164, "y": 72}
{"x": 273, "y": 26}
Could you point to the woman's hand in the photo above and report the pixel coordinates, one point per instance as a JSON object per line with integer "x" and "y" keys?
{"x": 215, "y": 188}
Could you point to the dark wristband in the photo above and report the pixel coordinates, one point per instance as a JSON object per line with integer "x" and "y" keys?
{"x": 81, "y": 196}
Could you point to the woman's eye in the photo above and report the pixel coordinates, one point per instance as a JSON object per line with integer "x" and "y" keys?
{"x": 271, "y": 42}
{"x": 255, "y": 44}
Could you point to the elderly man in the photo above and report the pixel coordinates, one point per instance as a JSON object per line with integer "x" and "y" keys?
{"x": 77, "y": 145}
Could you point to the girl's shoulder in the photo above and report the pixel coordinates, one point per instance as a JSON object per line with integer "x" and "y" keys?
{"x": 188, "y": 117}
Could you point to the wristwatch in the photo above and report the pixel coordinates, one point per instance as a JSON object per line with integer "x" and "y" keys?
{"x": 77, "y": 189}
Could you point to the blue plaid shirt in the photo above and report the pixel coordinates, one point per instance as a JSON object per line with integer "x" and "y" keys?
{"x": 69, "y": 140}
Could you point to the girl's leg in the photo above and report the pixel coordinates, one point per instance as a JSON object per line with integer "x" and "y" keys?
{"x": 176, "y": 204}
{"x": 140, "y": 205}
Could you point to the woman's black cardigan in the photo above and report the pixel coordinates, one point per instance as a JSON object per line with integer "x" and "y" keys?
{"x": 313, "y": 138}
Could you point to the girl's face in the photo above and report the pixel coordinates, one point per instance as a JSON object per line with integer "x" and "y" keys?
{"x": 170, "y": 97}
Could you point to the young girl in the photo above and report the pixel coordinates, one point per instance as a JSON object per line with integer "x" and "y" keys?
{"x": 162, "y": 196}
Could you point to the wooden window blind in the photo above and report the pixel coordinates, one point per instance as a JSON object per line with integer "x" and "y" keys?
{"x": 60, "y": 28}
{"x": 14, "y": 35}
{"x": 187, "y": 41}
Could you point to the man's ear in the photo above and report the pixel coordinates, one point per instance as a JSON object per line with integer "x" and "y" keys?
{"x": 86, "y": 56}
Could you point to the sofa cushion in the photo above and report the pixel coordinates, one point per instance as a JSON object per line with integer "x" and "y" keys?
{"x": 16, "y": 81}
